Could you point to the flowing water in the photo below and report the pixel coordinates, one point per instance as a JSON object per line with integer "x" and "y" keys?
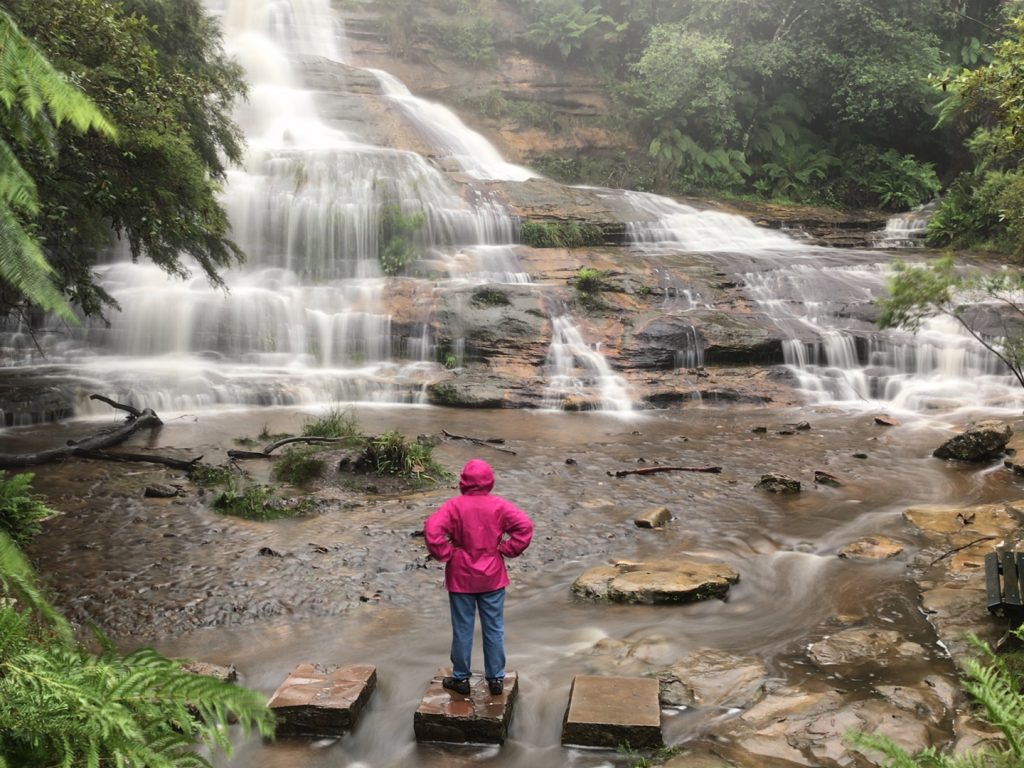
{"x": 306, "y": 324}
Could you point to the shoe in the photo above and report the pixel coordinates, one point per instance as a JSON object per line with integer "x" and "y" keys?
{"x": 496, "y": 686}
{"x": 454, "y": 684}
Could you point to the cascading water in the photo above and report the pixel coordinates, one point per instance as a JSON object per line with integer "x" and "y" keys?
{"x": 307, "y": 319}
{"x": 822, "y": 300}
{"x": 906, "y": 230}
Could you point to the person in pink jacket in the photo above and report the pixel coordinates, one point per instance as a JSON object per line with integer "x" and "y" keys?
{"x": 472, "y": 534}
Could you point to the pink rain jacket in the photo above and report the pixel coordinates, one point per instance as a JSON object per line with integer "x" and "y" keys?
{"x": 468, "y": 532}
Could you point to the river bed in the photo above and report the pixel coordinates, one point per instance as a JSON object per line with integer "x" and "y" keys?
{"x": 351, "y": 584}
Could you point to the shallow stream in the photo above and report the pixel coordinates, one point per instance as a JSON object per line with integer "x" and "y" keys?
{"x": 351, "y": 584}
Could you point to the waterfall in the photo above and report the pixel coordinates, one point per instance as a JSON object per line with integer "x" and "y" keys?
{"x": 309, "y": 317}
{"x": 906, "y": 230}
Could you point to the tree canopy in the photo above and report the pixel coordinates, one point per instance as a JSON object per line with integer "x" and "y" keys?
{"x": 35, "y": 102}
{"x": 156, "y": 69}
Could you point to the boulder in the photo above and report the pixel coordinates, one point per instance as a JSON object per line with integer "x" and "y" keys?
{"x": 673, "y": 581}
{"x": 982, "y": 442}
{"x": 775, "y": 483}
{"x": 824, "y": 478}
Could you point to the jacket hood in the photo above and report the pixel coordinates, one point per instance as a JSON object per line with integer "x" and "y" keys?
{"x": 477, "y": 477}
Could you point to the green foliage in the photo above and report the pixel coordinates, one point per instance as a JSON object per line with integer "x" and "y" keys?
{"x": 20, "y": 511}
{"x": 560, "y": 234}
{"x": 396, "y": 229}
{"x": 901, "y": 182}
{"x": 206, "y": 475}
{"x": 466, "y": 38}
{"x": 495, "y": 105}
{"x": 677, "y": 153}
{"x": 392, "y": 454}
{"x": 489, "y": 296}
{"x": 998, "y": 693}
{"x": 256, "y": 503}
{"x": 590, "y": 280}
{"x": 298, "y": 466}
{"x": 918, "y": 292}
{"x": 798, "y": 167}
{"x": 566, "y": 26}
{"x": 61, "y": 705}
{"x": 336, "y": 421}
{"x": 36, "y": 102}
{"x": 157, "y": 70}
{"x": 981, "y": 208}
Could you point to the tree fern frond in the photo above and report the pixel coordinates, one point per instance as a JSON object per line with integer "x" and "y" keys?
{"x": 18, "y": 581}
{"x": 23, "y": 265}
{"x": 29, "y": 82}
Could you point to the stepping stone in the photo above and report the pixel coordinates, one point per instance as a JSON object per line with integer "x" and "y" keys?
{"x": 478, "y": 718}
{"x": 611, "y": 711}
{"x": 318, "y": 700}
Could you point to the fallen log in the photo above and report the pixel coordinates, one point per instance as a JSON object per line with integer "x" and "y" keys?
{"x": 93, "y": 446}
{"x": 487, "y": 441}
{"x": 167, "y": 461}
{"x": 265, "y": 453}
{"x": 655, "y": 470}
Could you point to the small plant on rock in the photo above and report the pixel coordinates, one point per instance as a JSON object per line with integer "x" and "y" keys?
{"x": 392, "y": 454}
{"x": 335, "y": 422}
{"x": 256, "y": 503}
{"x": 299, "y": 466}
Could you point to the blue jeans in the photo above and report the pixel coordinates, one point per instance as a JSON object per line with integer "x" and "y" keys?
{"x": 492, "y": 625}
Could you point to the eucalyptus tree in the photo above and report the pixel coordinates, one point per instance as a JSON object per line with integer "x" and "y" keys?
{"x": 157, "y": 69}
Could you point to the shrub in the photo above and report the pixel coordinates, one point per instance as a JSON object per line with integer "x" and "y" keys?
{"x": 20, "y": 511}
{"x": 981, "y": 209}
{"x": 560, "y": 234}
{"x": 392, "y": 454}
{"x": 61, "y": 705}
{"x": 298, "y": 466}
{"x": 396, "y": 229}
{"x": 204, "y": 474}
{"x": 256, "y": 503}
{"x": 590, "y": 280}
{"x": 469, "y": 39}
{"x": 335, "y": 422}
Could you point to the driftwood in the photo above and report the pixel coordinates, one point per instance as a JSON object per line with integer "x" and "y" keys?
{"x": 93, "y": 447}
{"x": 167, "y": 461}
{"x": 655, "y": 470}
{"x": 959, "y": 549}
{"x": 265, "y": 453}
{"x": 487, "y": 441}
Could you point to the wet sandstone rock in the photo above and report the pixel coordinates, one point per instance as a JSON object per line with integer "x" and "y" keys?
{"x": 776, "y": 483}
{"x": 982, "y": 442}
{"x": 862, "y": 646}
{"x": 871, "y": 548}
{"x": 713, "y": 678}
{"x": 653, "y": 518}
{"x": 322, "y": 700}
{"x": 673, "y": 581}
{"x": 478, "y": 718}
{"x": 611, "y": 711}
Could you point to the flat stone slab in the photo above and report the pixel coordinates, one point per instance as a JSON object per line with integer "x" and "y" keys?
{"x": 611, "y": 711}
{"x": 319, "y": 700}
{"x": 665, "y": 581}
{"x": 478, "y": 718}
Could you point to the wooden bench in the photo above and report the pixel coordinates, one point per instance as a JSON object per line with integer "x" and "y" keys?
{"x": 1003, "y": 588}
